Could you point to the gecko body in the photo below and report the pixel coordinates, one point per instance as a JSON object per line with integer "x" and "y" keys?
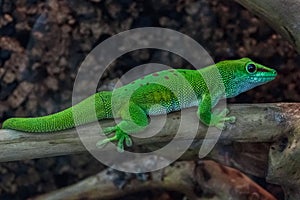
{"x": 157, "y": 93}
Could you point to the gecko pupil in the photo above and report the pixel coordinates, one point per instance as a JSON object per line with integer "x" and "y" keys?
{"x": 251, "y": 68}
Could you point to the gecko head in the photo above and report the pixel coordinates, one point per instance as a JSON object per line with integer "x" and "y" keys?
{"x": 243, "y": 74}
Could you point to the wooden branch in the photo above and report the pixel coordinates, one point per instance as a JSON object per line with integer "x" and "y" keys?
{"x": 282, "y": 15}
{"x": 284, "y": 156}
{"x": 255, "y": 123}
{"x": 212, "y": 179}
{"x": 263, "y": 125}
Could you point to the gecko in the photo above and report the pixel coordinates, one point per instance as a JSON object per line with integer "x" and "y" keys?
{"x": 154, "y": 94}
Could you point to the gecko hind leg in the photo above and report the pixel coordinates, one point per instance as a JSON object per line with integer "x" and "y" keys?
{"x": 134, "y": 119}
{"x": 119, "y": 136}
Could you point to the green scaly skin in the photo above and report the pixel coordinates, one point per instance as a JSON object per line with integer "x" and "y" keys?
{"x": 154, "y": 94}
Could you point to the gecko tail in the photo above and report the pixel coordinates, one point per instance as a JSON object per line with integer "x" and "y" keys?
{"x": 83, "y": 112}
{"x": 49, "y": 123}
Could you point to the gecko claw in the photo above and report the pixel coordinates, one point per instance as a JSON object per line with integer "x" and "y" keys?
{"x": 230, "y": 119}
{"x": 120, "y": 144}
{"x": 109, "y": 130}
{"x": 128, "y": 141}
{"x": 104, "y": 142}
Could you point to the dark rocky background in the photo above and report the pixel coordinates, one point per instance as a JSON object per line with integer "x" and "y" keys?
{"x": 43, "y": 43}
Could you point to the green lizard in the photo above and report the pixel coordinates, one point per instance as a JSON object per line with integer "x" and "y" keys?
{"x": 155, "y": 94}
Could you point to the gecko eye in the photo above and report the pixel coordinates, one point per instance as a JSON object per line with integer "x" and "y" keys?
{"x": 251, "y": 68}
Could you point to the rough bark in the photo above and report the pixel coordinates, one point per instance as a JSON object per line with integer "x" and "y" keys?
{"x": 255, "y": 123}
{"x": 282, "y": 15}
{"x": 262, "y": 142}
{"x": 202, "y": 180}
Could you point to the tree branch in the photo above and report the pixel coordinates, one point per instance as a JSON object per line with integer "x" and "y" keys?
{"x": 282, "y": 15}
{"x": 255, "y": 123}
{"x": 212, "y": 179}
{"x": 263, "y": 125}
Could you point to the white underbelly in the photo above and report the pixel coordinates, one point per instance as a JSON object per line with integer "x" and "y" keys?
{"x": 160, "y": 110}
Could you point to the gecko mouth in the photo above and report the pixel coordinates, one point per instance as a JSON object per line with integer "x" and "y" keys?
{"x": 263, "y": 78}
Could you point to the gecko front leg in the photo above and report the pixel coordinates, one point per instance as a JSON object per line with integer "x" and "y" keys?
{"x": 210, "y": 119}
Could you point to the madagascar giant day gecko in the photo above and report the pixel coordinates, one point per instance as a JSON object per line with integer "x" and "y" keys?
{"x": 157, "y": 93}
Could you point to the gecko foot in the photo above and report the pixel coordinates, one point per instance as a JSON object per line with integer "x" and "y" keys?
{"x": 120, "y": 136}
{"x": 218, "y": 120}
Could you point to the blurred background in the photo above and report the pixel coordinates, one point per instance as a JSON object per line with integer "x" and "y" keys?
{"x": 42, "y": 44}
